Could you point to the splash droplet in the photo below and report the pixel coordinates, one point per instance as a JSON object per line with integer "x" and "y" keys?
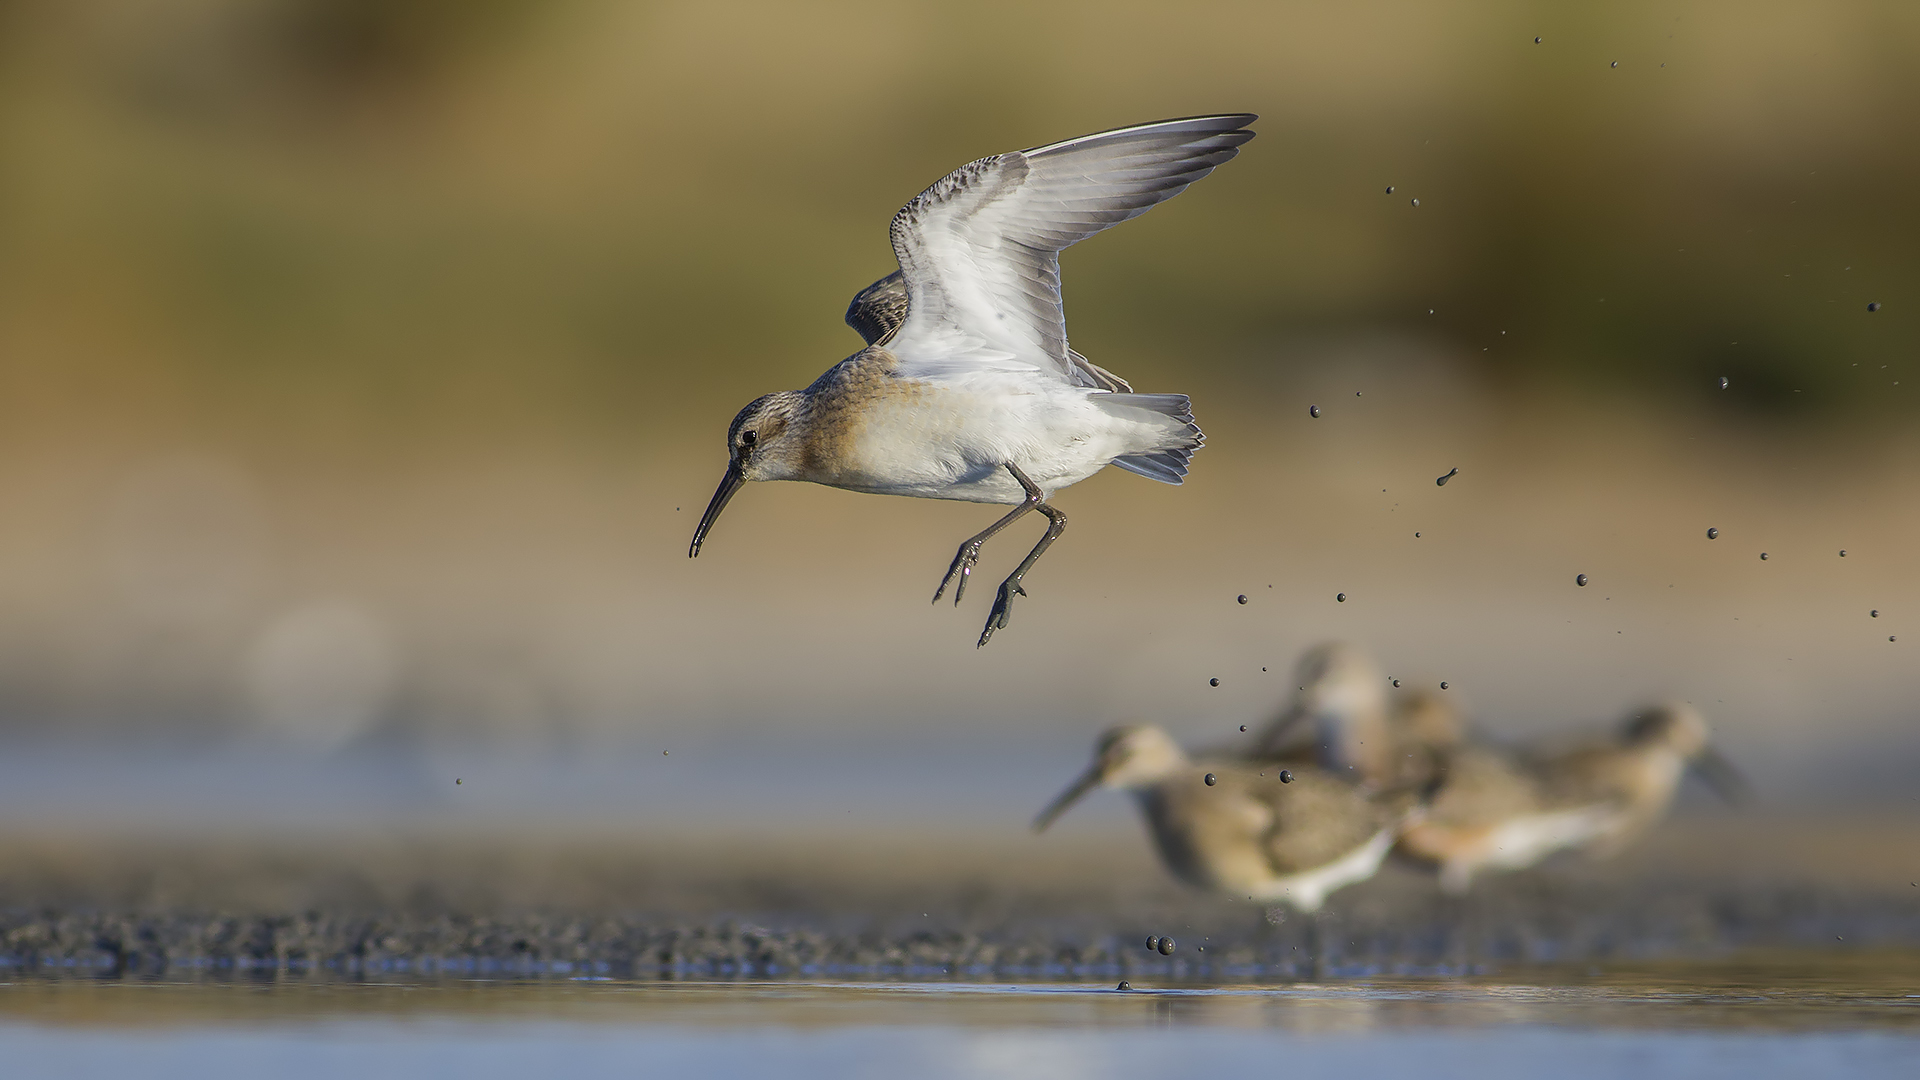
{"x": 1153, "y": 943}
{"x": 1341, "y": 598}
{"x": 1243, "y": 729}
{"x": 1243, "y": 598}
{"x": 1443, "y": 686}
{"x": 1536, "y": 41}
{"x": 1713, "y": 534}
{"x": 1213, "y": 682}
{"x": 1396, "y": 684}
{"x": 1416, "y": 536}
{"x": 1451, "y": 473}
{"x": 1843, "y": 553}
{"x": 1875, "y": 613}
{"x": 1286, "y": 777}
{"x": 1211, "y": 779}
{"x": 1763, "y": 556}
{"x": 1166, "y": 946}
{"x": 1723, "y": 382}
{"x": 1875, "y": 306}
{"x": 1416, "y": 202}
{"x": 1313, "y": 411}
{"x": 1124, "y": 985}
{"x": 456, "y": 780}
{"x": 1389, "y": 189}
{"x": 1580, "y": 580}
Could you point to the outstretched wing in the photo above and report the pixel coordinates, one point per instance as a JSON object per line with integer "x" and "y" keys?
{"x": 879, "y": 309}
{"x": 979, "y": 250}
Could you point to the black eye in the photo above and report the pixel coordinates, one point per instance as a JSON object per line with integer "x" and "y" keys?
{"x": 747, "y": 439}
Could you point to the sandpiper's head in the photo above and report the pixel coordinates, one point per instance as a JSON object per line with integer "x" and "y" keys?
{"x": 762, "y": 444}
{"x": 1133, "y": 756}
{"x": 1342, "y": 693}
{"x": 1336, "y": 679}
{"x": 1673, "y": 726}
{"x": 1679, "y": 729}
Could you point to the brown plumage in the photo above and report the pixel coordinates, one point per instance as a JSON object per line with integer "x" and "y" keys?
{"x": 1249, "y": 833}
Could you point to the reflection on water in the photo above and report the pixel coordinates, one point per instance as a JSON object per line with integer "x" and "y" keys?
{"x": 1774, "y": 1015}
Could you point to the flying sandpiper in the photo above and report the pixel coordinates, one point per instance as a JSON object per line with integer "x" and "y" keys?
{"x": 967, "y": 388}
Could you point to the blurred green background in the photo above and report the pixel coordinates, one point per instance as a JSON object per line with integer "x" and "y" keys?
{"x": 363, "y": 364}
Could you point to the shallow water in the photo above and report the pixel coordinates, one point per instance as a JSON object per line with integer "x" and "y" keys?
{"x": 1776, "y": 1015}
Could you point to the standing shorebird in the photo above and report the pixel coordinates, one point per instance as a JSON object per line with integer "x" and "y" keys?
{"x": 1226, "y": 826}
{"x": 1358, "y": 730}
{"x": 1498, "y": 810}
{"x": 967, "y": 389}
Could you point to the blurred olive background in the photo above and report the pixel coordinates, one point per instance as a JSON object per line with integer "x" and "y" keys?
{"x": 364, "y": 367}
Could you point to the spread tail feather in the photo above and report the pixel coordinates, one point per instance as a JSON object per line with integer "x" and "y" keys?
{"x": 1168, "y": 462}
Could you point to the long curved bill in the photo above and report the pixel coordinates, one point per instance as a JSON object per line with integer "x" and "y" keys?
{"x": 1087, "y": 782}
{"x": 729, "y": 484}
{"x": 1722, "y": 777}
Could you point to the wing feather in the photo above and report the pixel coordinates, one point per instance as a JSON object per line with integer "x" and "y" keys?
{"x": 980, "y": 250}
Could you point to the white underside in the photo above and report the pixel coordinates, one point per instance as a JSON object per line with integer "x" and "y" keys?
{"x": 1522, "y": 841}
{"x": 1307, "y": 891}
{"x": 954, "y": 438}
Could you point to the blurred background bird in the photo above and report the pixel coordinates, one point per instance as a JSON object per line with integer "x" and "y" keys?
{"x": 1292, "y": 836}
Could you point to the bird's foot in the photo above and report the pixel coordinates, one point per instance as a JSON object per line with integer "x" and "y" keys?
{"x": 1002, "y": 606}
{"x": 962, "y": 568}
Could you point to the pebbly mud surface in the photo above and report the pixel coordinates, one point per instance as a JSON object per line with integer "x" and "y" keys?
{"x": 902, "y": 908}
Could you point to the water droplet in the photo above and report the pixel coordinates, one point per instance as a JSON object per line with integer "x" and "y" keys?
{"x": 1843, "y": 553}
{"x": 1286, "y": 776}
{"x": 1243, "y": 727}
{"x": 1243, "y": 598}
{"x": 1723, "y": 382}
{"x": 1763, "y": 556}
{"x": 1153, "y": 943}
{"x": 1313, "y": 411}
{"x": 1416, "y": 202}
{"x": 1875, "y": 306}
{"x": 1416, "y": 536}
{"x": 1889, "y": 637}
{"x": 1396, "y": 684}
{"x": 1124, "y": 985}
{"x": 1166, "y": 946}
{"x": 456, "y": 780}
{"x": 1536, "y": 41}
{"x": 1389, "y": 189}
{"x": 1713, "y": 534}
{"x": 1875, "y": 613}
{"x": 1342, "y": 598}
{"x": 1580, "y": 580}
{"x": 663, "y": 753}
{"x": 1443, "y": 686}
{"x": 1213, "y": 682}
{"x": 1451, "y": 473}
{"x": 1212, "y": 779}
{"x": 1616, "y": 63}
{"x": 1356, "y": 393}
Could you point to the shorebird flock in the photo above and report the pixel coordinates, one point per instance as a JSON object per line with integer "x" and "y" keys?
{"x": 967, "y": 389}
{"x": 1351, "y": 773}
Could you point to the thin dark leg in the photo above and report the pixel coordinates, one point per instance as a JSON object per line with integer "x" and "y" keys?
{"x": 969, "y": 552}
{"x": 1003, "y": 603}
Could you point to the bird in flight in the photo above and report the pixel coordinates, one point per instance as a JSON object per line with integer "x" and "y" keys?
{"x": 966, "y": 388}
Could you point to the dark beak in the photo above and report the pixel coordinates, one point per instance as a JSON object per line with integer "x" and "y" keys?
{"x": 1722, "y": 777}
{"x": 1087, "y": 782}
{"x": 728, "y": 485}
